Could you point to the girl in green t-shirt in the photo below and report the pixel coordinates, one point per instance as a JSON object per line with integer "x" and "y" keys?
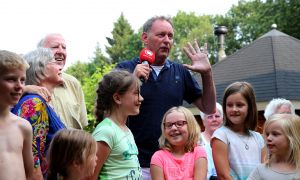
{"x": 118, "y": 96}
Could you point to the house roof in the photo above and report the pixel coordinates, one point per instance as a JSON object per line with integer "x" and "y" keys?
{"x": 271, "y": 64}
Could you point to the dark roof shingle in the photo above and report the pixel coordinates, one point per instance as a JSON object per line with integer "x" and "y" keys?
{"x": 271, "y": 64}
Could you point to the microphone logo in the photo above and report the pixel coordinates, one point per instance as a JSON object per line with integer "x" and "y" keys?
{"x": 148, "y": 52}
{"x": 147, "y": 56}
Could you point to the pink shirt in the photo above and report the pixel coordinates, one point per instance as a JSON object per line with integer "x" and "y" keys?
{"x": 178, "y": 168}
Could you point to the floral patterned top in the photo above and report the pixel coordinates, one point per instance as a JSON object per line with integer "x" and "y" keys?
{"x": 44, "y": 121}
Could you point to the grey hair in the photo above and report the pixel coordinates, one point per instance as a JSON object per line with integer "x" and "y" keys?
{"x": 41, "y": 43}
{"x": 219, "y": 108}
{"x": 148, "y": 24}
{"x": 37, "y": 60}
{"x": 274, "y": 104}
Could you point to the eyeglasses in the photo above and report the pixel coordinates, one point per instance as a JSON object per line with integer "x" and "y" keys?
{"x": 178, "y": 124}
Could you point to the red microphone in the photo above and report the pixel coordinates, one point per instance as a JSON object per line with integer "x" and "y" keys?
{"x": 146, "y": 57}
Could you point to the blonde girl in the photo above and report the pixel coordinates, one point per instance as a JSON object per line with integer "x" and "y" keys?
{"x": 179, "y": 157}
{"x": 282, "y": 136}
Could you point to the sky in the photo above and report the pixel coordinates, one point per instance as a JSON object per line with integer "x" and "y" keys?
{"x": 84, "y": 23}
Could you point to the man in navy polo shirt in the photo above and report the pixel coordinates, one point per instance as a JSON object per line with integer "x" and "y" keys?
{"x": 166, "y": 85}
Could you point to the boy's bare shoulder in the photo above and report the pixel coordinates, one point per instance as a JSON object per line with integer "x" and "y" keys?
{"x": 23, "y": 124}
{"x": 17, "y": 135}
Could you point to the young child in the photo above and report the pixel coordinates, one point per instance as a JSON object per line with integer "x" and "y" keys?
{"x": 16, "y": 159}
{"x": 282, "y": 137}
{"x": 179, "y": 157}
{"x": 118, "y": 97}
{"x": 72, "y": 155}
{"x": 237, "y": 149}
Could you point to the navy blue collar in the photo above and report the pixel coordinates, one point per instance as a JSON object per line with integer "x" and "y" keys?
{"x": 167, "y": 64}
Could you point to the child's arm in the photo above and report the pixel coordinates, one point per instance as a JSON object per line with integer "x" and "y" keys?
{"x": 200, "y": 170}
{"x": 103, "y": 151}
{"x": 27, "y": 149}
{"x": 220, "y": 157}
{"x": 156, "y": 172}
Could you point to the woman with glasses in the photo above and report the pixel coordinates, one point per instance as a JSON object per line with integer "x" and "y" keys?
{"x": 44, "y": 72}
{"x": 179, "y": 157}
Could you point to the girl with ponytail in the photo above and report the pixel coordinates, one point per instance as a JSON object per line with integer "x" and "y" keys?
{"x": 118, "y": 96}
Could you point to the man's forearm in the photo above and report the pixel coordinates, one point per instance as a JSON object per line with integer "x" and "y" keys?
{"x": 207, "y": 102}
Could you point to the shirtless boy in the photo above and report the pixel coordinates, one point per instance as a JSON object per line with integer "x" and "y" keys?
{"x": 16, "y": 159}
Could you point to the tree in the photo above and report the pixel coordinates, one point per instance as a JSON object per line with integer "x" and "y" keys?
{"x": 251, "y": 19}
{"x": 189, "y": 27}
{"x": 124, "y": 44}
{"x": 285, "y": 13}
{"x": 242, "y": 23}
{"x": 89, "y": 74}
{"x": 89, "y": 88}
{"x": 98, "y": 62}
{"x": 79, "y": 70}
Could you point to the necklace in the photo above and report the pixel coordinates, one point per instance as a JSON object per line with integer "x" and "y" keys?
{"x": 246, "y": 144}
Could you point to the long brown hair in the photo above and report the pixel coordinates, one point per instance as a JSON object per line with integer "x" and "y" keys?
{"x": 117, "y": 81}
{"x": 247, "y": 91}
{"x": 67, "y": 146}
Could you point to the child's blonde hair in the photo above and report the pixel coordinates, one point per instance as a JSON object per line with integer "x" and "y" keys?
{"x": 68, "y": 146}
{"x": 291, "y": 127}
{"x": 192, "y": 127}
{"x": 10, "y": 60}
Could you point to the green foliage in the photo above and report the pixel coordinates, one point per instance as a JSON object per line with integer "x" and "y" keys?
{"x": 251, "y": 19}
{"x": 89, "y": 88}
{"x": 189, "y": 27}
{"x": 79, "y": 70}
{"x": 240, "y": 22}
{"x": 285, "y": 13}
{"x": 98, "y": 61}
{"x": 134, "y": 46}
{"x": 125, "y": 44}
{"x": 89, "y": 74}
